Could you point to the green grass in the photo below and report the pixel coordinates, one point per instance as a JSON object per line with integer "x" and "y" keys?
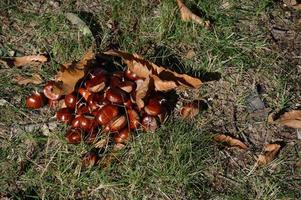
{"x": 180, "y": 160}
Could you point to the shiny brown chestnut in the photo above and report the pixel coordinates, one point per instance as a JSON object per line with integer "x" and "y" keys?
{"x": 134, "y": 119}
{"x": 48, "y": 91}
{"x": 73, "y": 136}
{"x": 149, "y": 123}
{"x": 128, "y": 103}
{"x": 94, "y": 101}
{"x": 84, "y": 92}
{"x": 96, "y": 84}
{"x": 85, "y": 123}
{"x": 106, "y": 114}
{"x": 71, "y": 101}
{"x": 122, "y": 136}
{"x": 116, "y": 95}
{"x": 64, "y": 115}
{"x": 115, "y": 81}
{"x": 53, "y": 103}
{"x": 35, "y": 100}
{"x": 127, "y": 86}
{"x": 130, "y": 75}
{"x": 116, "y": 124}
{"x": 153, "y": 108}
{"x": 83, "y": 109}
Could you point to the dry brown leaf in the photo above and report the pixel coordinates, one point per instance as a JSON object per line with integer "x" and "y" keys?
{"x": 190, "y": 110}
{"x": 24, "y": 80}
{"x": 270, "y": 152}
{"x": 230, "y": 141}
{"x": 293, "y": 3}
{"x": 24, "y": 60}
{"x": 164, "y": 79}
{"x": 187, "y": 15}
{"x": 70, "y": 73}
{"x": 141, "y": 92}
{"x": 291, "y": 119}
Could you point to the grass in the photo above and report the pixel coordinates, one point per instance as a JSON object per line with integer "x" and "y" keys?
{"x": 179, "y": 161}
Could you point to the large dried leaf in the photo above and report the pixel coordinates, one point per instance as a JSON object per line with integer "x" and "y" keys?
{"x": 70, "y": 73}
{"x": 291, "y": 119}
{"x": 141, "y": 92}
{"x": 24, "y": 80}
{"x": 187, "y": 15}
{"x": 270, "y": 152}
{"x": 24, "y": 60}
{"x": 164, "y": 79}
{"x": 232, "y": 142}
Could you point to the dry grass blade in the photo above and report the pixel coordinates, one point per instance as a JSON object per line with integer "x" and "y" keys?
{"x": 270, "y": 152}
{"x": 291, "y": 119}
{"x": 70, "y": 73}
{"x": 232, "y": 142}
{"x": 187, "y": 15}
{"x": 24, "y": 80}
{"x": 24, "y": 60}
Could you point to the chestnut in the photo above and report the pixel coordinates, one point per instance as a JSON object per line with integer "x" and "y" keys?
{"x": 48, "y": 91}
{"x": 35, "y": 100}
{"x": 94, "y": 101}
{"x": 127, "y": 86}
{"x": 84, "y": 92}
{"x": 116, "y": 95}
{"x": 128, "y": 103}
{"x": 96, "y": 84}
{"x": 134, "y": 119}
{"x": 153, "y": 108}
{"x": 116, "y": 124}
{"x": 85, "y": 123}
{"x": 70, "y": 101}
{"x": 149, "y": 123}
{"x": 64, "y": 115}
{"x": 73, "y": 136}
{"x": 83, "y": 109}
{"x": 130, "y": 75}
{"x": 106, "y": 114}
{"x": 89, "y": 160}
{"x": 115, "y": 81}
{"x": 53, "y": 103}
{"x": 122, "y": 136}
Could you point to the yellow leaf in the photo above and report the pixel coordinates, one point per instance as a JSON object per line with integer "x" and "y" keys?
{"x": 187, "y": 15}
{"x": 291, "y": 119}
{"x": 232, "y": 142}
{"x": 70, "y": 73}
{"x": 24, "y": 60}
{"x": 270, "y": 152}
{"x": 24, "y": 80}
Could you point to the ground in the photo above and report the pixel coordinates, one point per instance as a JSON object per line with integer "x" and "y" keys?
{"x": 253, "y": 47}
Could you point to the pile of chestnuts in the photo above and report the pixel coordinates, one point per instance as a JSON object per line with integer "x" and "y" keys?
{"x": 103, "y": 103}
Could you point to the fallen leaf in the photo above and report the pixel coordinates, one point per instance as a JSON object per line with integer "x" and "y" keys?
{"x": 187, "y": 15}
{"x": 24, "y": 80}
{"x": 23, "y": 60}
{"x": 192, "y": 109}
{"x": 70, "y": 73}
{"x": 141, "y": 92}
{"x": 291, "y": 119}
{"x": 269, "y": 154}
{"x": 232, "y": 142}
{"x": 74, "y": 19}
{"x": 293, "y": 3}
{"x": 164, "y": 79}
